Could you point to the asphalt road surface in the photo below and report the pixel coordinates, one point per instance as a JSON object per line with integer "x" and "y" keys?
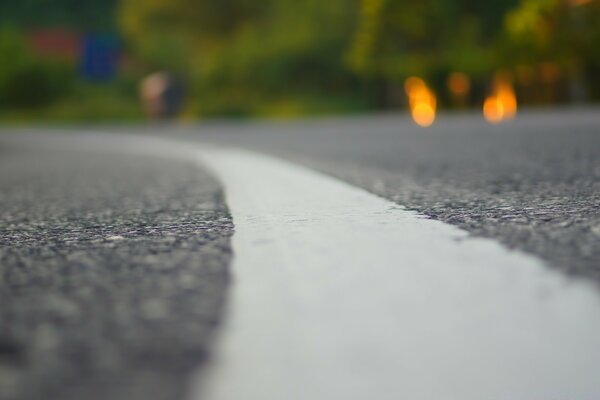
{"x": 113, "y": 273}
{"x": 533, "y": 183}
{"x": 114, "y": 267}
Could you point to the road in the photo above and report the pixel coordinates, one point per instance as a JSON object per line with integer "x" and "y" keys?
{"x": 114, "y": 273}
{"x": 533, "y": 184}
{"x": 115, "y": 263}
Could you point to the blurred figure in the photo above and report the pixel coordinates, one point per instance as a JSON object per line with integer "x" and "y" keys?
{"x": 162, "y": 95}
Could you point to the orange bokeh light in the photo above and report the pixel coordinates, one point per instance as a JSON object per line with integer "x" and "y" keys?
{"x": 493, "y": 110}
{"x": 502, "y": 103}
{"x": 422, "y": 101}
{"x": 423, "y": 114}
{"x": 413, "y": 85}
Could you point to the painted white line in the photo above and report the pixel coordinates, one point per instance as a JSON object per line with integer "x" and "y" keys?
{"x": 339, "y": 294}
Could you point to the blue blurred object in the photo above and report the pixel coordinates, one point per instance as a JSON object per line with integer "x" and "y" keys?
{"x": 100, "y": 57}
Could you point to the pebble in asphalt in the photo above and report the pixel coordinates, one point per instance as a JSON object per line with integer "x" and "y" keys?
{"x": 113, "y": 274}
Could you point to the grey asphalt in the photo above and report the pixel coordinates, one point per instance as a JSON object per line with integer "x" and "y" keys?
{"x": 114, "y": 268}
{"x": 113, "y": 273}
{"x": 532, "y": 183}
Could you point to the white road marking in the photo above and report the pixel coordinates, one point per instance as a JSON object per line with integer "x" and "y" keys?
{"x": 340, "y": 294}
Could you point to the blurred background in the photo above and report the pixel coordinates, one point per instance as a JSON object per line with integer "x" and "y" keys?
{"x": 127, "y": 60}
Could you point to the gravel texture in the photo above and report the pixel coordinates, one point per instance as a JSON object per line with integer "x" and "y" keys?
{"x": 113, "y": 274}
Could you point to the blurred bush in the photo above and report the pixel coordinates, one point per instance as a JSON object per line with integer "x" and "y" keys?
{"x": 27, "y": 81}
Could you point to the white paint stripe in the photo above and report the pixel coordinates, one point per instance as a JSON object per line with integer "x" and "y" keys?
{"x": 339, "y": 294}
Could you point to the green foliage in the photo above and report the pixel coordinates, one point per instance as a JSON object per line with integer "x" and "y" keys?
{"x": 25, "y": 80}
{"x": 561, "y": 33}
{"x": 231, "y": 54}
{"x": 85, "y": 102}
{"x": 288, "y": 57}
{"x": 82, "y": 14}
{"x": 398, "y": 38}
{"x": 555, "y": 30}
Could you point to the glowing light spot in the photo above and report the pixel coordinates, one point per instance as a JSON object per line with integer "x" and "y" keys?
{"x": 422, "y": 101}
{"x": 493, "y": 110}
{"x": 502, "y": 103}
{"x": 413, "y": 84}
{"x": 423, "y": 114}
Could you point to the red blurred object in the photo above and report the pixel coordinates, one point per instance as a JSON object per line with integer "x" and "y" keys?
{"x": 56, "y": 43}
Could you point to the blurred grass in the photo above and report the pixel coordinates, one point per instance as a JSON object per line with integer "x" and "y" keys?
{"x": 87, "y": 103}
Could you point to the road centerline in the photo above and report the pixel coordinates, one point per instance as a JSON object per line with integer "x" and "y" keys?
{"x": 339, "y": 293}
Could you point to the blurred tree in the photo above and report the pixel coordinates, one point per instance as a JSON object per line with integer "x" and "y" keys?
{"x": 403, "y": 37}
{"x": 398, "y": 38}
{"x": 245, "y": 51}
{"x": 170, "y": 33}
{"x": 563, "y": 33}
{"x": 239, "y": 54}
